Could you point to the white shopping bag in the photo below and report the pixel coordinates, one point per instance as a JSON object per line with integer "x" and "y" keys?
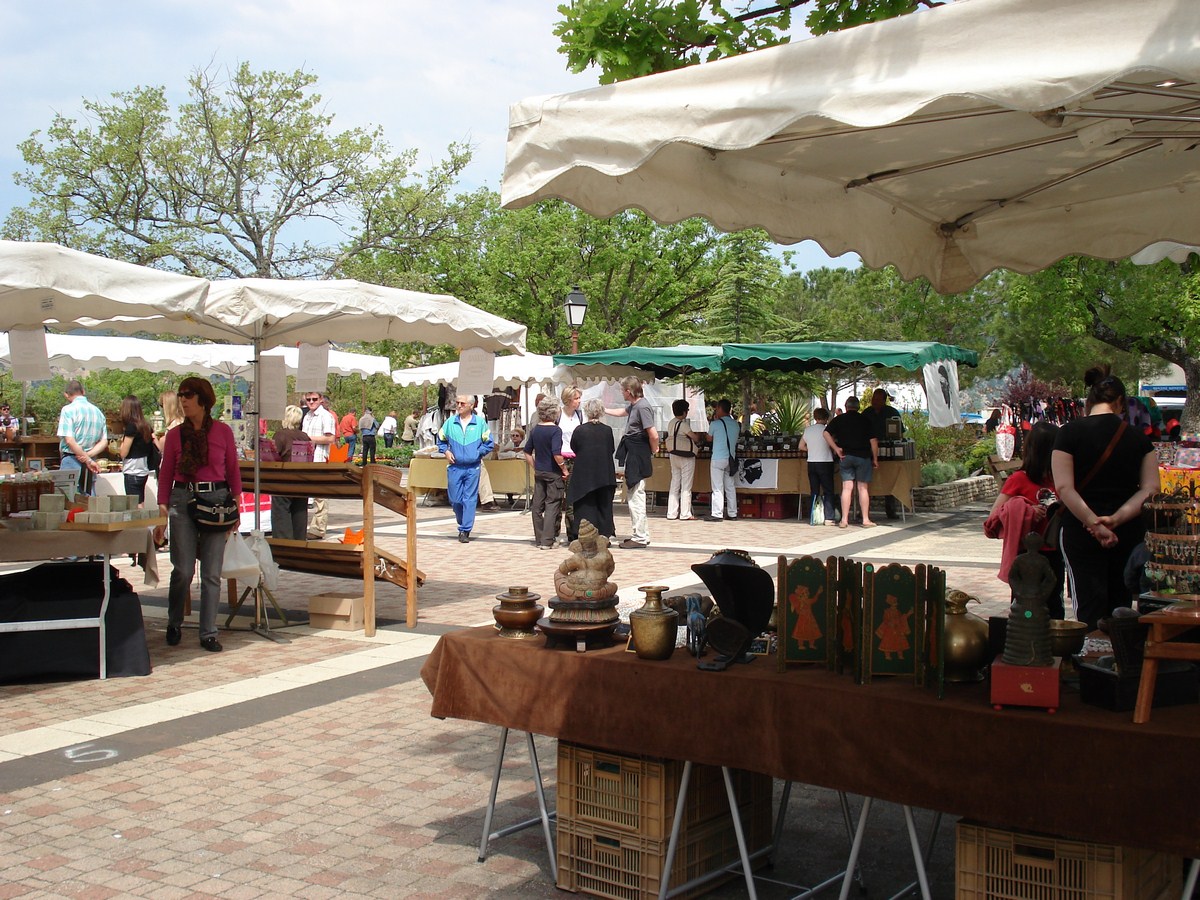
{"x": 267, "y": 567}
{"x": 240, "y": 562}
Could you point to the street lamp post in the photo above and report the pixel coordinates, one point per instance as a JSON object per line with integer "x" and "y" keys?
{"x": 575, "y": 307}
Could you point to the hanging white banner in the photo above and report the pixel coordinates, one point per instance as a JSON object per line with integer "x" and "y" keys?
{"x": 941, "y": 389}
{"x": 312, "y": 372}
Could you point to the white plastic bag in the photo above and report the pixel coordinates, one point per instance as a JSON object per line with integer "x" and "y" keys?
{"x": 267, "y": 566}
{"x": 240, "y": 562}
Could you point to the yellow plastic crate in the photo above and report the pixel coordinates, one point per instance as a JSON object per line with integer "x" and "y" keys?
{"x": 637, "y": 794}
{"x": 618, "y": 866}
{"x": 996, "y": 864}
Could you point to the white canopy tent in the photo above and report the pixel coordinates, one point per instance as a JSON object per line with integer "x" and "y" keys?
{"x": 950, "y": 142}
{"x": 75, "y": 352}
{"x": 43, "y": 284}
{"x": 510, "y": 371}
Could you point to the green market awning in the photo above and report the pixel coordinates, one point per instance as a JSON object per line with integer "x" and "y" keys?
{"x": 662, "y": 362}
{"x": 808, "y": 356}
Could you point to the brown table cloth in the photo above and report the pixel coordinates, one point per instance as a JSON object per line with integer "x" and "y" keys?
{"x": 1082, "y": 773}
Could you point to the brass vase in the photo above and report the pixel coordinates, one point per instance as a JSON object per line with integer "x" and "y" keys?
{"x": 654, "y": 626}
{"x": 517, "y": 613}
{"x": 966, "y": 640}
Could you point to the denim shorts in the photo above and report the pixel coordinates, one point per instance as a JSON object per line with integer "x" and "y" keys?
{"x": 855, "y": 468}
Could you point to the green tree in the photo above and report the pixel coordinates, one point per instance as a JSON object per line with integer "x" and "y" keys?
{"x": 643, "y": 281}
{"x": 233, "y": 184}
{"x": 629, "y": 38}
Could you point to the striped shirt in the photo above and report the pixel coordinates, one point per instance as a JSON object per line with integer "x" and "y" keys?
{"x": 82, "y": 420}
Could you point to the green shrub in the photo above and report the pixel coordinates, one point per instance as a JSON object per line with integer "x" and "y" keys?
{"x": 956, "y": 443}
{"x": 937, "y": 472}
{"x": 398, "y": 455}
{"x": 978, "y": 456}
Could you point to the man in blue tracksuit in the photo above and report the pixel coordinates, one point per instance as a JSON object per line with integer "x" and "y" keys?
{"x": 466, "y": 440}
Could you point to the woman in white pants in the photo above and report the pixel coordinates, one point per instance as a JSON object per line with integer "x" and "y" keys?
{"x": 682, "y": 449}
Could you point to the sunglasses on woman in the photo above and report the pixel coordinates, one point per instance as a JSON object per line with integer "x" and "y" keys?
{"x": 187, "y": 395}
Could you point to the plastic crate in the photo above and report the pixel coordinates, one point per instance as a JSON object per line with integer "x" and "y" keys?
{"x": 780, "y": 506}
{"x": 750, "y": 506}
{"x": 637, "y": 794}
{"x": 606, "y": 863}
{"x": 997, "y": 864}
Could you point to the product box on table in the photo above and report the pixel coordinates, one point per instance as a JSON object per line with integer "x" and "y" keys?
{"x": 337, "y": 611}
{"x": 1099, "y": 685}
{"x": 993, "y": 862}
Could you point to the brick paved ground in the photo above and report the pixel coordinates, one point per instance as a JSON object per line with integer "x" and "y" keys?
{"x": 312, "y": 768}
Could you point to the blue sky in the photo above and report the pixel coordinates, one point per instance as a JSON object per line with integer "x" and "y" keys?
{"x": 428, "y": 73}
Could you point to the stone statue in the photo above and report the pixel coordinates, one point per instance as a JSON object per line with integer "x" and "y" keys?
{"x": 1027, "y": 641}
{"x": 584, "y": 574}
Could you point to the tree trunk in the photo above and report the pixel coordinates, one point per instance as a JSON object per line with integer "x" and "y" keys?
{"x": 1190, "y": 420}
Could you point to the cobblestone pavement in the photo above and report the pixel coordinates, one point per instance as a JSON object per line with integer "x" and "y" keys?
{"x": 312, "y": 768}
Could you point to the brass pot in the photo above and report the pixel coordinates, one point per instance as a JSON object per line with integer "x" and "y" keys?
{"x": 654, "y": 626}
{"x": 1066, "y": 638}
{"x": 966, "y": 640}
{"x": 517, "y": 613}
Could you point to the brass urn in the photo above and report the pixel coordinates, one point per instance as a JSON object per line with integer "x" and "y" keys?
{"x": 966, "y": 640}
{"x": 654, "y": 626}
{"x": 517, "y": 613}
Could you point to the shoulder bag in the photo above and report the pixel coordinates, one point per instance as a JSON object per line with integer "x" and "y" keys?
{"x": 213, "y": 507}
{"x": 734, "y": 462}
{"x": 1053, "y": 535}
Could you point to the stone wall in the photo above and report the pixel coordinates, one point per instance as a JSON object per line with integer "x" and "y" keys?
{"x": 938, "y": 497}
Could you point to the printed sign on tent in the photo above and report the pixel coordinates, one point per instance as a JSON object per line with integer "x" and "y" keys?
{"x": 312, "y": 373}
{"x": 476, "y": 371}
{"x": 272, "y": 387}
{"x": 27, "y": 351}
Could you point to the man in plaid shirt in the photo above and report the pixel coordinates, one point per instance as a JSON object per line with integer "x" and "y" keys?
{"x": 83, "y": 435}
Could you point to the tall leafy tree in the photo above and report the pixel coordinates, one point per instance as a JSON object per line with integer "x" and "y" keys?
{"x": 235, "y": 183}
{"x": 628, "y": 38}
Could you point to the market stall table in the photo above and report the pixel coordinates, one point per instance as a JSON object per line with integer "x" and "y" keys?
{"x": 888, "y": 740}
{"x": 509, "y": 476}
{"x": 28, "y": 545}
{"x": 789, "y": 475}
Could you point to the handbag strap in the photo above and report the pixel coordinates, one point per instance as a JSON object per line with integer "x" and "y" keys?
{"x": 675, "y": 436}
{"x": 1103, "y": 457}
{"x": 728, "y": 442}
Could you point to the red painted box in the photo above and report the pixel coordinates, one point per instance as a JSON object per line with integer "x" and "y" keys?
{"x": 1025, "y": 685}
{"x": 750, "y": 506}
{"x": 780, "y": 506}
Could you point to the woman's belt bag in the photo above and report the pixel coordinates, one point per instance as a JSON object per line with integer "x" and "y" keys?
{"x": 212, "y": 506}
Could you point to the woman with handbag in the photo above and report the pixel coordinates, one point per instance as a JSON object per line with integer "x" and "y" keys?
{"x": 1027, "y": 503}
{"x": 1104, "y": 472}
{"x": 199, "y": 474}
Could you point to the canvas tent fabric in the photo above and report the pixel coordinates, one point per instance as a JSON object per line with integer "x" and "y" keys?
{"x": 662, "y": 362}
{"x": 948, "y": 143}
{"x": 808, "y": 356}
{"x": 73, "y": 352}
{"x": 804, "y": 356}
{"x": 43, "y": 284}
{"x": 273, "y": 312}
{"x": 510, "y": 371}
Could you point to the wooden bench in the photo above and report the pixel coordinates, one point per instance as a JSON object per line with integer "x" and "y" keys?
{"x": 1002, "y": 468}
{"x": 372, "y": 484}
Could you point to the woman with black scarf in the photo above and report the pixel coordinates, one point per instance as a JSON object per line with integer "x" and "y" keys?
{"x": 201, "y": 451}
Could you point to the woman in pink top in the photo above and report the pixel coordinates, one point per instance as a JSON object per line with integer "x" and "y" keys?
{"x": 200, "y": 450}
{"x": 1021, "y": 507}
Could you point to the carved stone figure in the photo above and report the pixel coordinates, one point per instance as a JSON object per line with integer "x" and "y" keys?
{"x": 584, "y": 574}
{"x": 1027, "y": 642}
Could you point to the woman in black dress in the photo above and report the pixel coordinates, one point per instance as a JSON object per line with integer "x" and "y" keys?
{"x": 594, "y": 478}
{"x": 1104, "y": 471}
